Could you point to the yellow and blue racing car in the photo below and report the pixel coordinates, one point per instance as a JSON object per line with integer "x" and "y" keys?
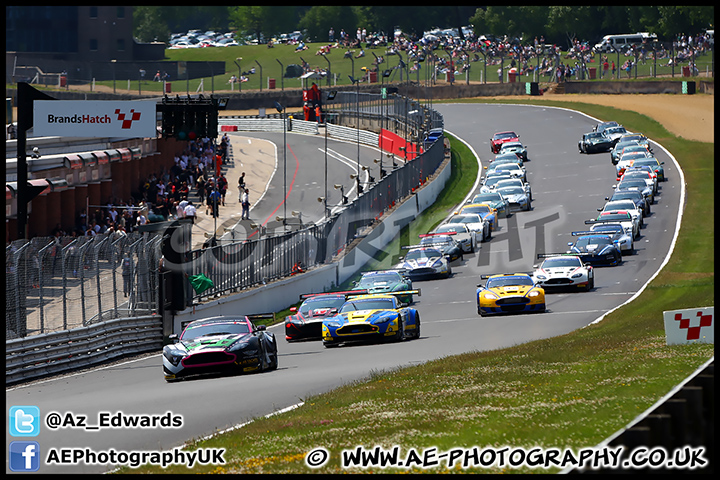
{"x": 374, "y": 316}
{"x": 509, "y": 293}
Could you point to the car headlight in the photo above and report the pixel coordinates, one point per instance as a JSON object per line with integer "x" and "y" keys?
{"x": 577, "y": 275}
{"x": 173, "y": 356}
{"x": 490, "y": 296}
{"x": 541, "y": 277}
{"x": 383, "y": 319}
{"x": 333, "y": 324}
{"x": 438, "y": 264}
{"x": 238, "y": 346}
{"x": 533, "y": 293}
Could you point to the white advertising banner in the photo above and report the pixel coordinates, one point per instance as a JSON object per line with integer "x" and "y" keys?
{"x": 691, "y": 325}
{"x": 101, "y": 118}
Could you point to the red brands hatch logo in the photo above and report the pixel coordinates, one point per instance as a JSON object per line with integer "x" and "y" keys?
{"x": 693, "y": 333}
{"x": 127, "y": 122}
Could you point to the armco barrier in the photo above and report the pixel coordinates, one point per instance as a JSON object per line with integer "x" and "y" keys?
{"x": 34, "y": 357}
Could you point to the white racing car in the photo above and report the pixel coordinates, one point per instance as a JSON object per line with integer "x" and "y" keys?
{"x": 562, "y": 270}
{"x": 468, "y": 239}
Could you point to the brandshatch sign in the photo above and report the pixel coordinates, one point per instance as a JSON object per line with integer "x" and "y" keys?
{"x": 84, "y": 118}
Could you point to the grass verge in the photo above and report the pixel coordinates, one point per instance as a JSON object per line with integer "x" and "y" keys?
{"x": 571, "y": 391}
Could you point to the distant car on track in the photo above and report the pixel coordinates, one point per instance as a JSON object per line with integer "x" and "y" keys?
{"x": 385, "y": 281}
{"x": 562, "y": 271}
{"x": 305, "y": 322}
{"x": 372, "y": 317}
{"x": 595, "y": 142}
{"x": 421, "y": 262}
{"x": 509, "y": 293}
{"x": 596, "y": 249}
{"x": 501, "y": 137}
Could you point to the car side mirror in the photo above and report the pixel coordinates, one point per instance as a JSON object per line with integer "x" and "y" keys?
{"x": 293, "y": 309}
{"x": 260, "y": 328}
{"x": 174, "y": 338}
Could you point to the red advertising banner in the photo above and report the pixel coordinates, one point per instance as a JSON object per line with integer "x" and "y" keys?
{"x": 395, "y": 144}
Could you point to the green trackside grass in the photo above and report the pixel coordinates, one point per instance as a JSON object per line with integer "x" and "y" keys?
{"x": 571, "y": 391}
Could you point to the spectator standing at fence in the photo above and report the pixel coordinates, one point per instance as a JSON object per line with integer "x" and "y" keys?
{"x": 245, "y": 202}
{"x": 127, "y": 274}
{"x": 241, "y": 186}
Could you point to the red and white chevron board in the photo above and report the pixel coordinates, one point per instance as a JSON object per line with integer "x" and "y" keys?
{"x": 691, "y": 325}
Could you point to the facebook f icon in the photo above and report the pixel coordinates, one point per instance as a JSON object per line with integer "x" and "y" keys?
{"x": 24, "y": 456}
{"x": 24, "y": 421}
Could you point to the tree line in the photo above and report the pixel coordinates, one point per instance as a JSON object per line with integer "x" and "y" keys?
{"x": 560, "y": 25}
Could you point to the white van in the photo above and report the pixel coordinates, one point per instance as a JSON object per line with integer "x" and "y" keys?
{"x": 623, "y": 41}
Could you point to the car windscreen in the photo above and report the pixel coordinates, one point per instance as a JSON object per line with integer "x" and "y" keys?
{"x": 500, "y": 136}
{"x": 559, "y": 262}
{"x": 593, "y": 240}
{"x": 321, "y": 302}
{"x": 424, "y": 254}
{"x": 631, "y": 183}
{"x": 610, "y": 228}
{"x": 478, "y": 209}
{"x": 467, "y": 219}
{"x": 508, "y": 281}
{"x": 616, "y": 217}
{"x": 620, "y": 205}
{"x": 379, "y": 279}
{"x": 449, "y": 228}
{"x": 487, "y": 197}
{"x": 368, "y": 304}
{"x": 219, "y": 328}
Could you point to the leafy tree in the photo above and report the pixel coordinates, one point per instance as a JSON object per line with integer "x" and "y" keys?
{"x": 148, "y": 24}
{"x": 319, "y": 19}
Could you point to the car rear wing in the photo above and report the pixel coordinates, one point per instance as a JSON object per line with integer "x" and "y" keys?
{"x": 485, "y": 277}
{"x": 410, "y": 247}
{"x": 347, "y": 293}
{"x": 550, "y": 255}
{"x": 261, "y": 316}
{"x": 585, "y": 232}
{"x": 610, "y": 220}
{"x": 423, "y": 235}
{"x": 396, "y": 294}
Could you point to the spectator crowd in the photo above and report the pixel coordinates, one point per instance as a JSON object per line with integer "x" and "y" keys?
{"x": 456, "y": 55}
{"x": 165, "y": 195}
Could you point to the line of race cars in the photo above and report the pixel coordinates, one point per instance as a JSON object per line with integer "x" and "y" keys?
{"x": 379, "y": 307}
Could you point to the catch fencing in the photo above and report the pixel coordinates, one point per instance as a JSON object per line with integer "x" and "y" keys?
{"x": 62, "y": 283}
